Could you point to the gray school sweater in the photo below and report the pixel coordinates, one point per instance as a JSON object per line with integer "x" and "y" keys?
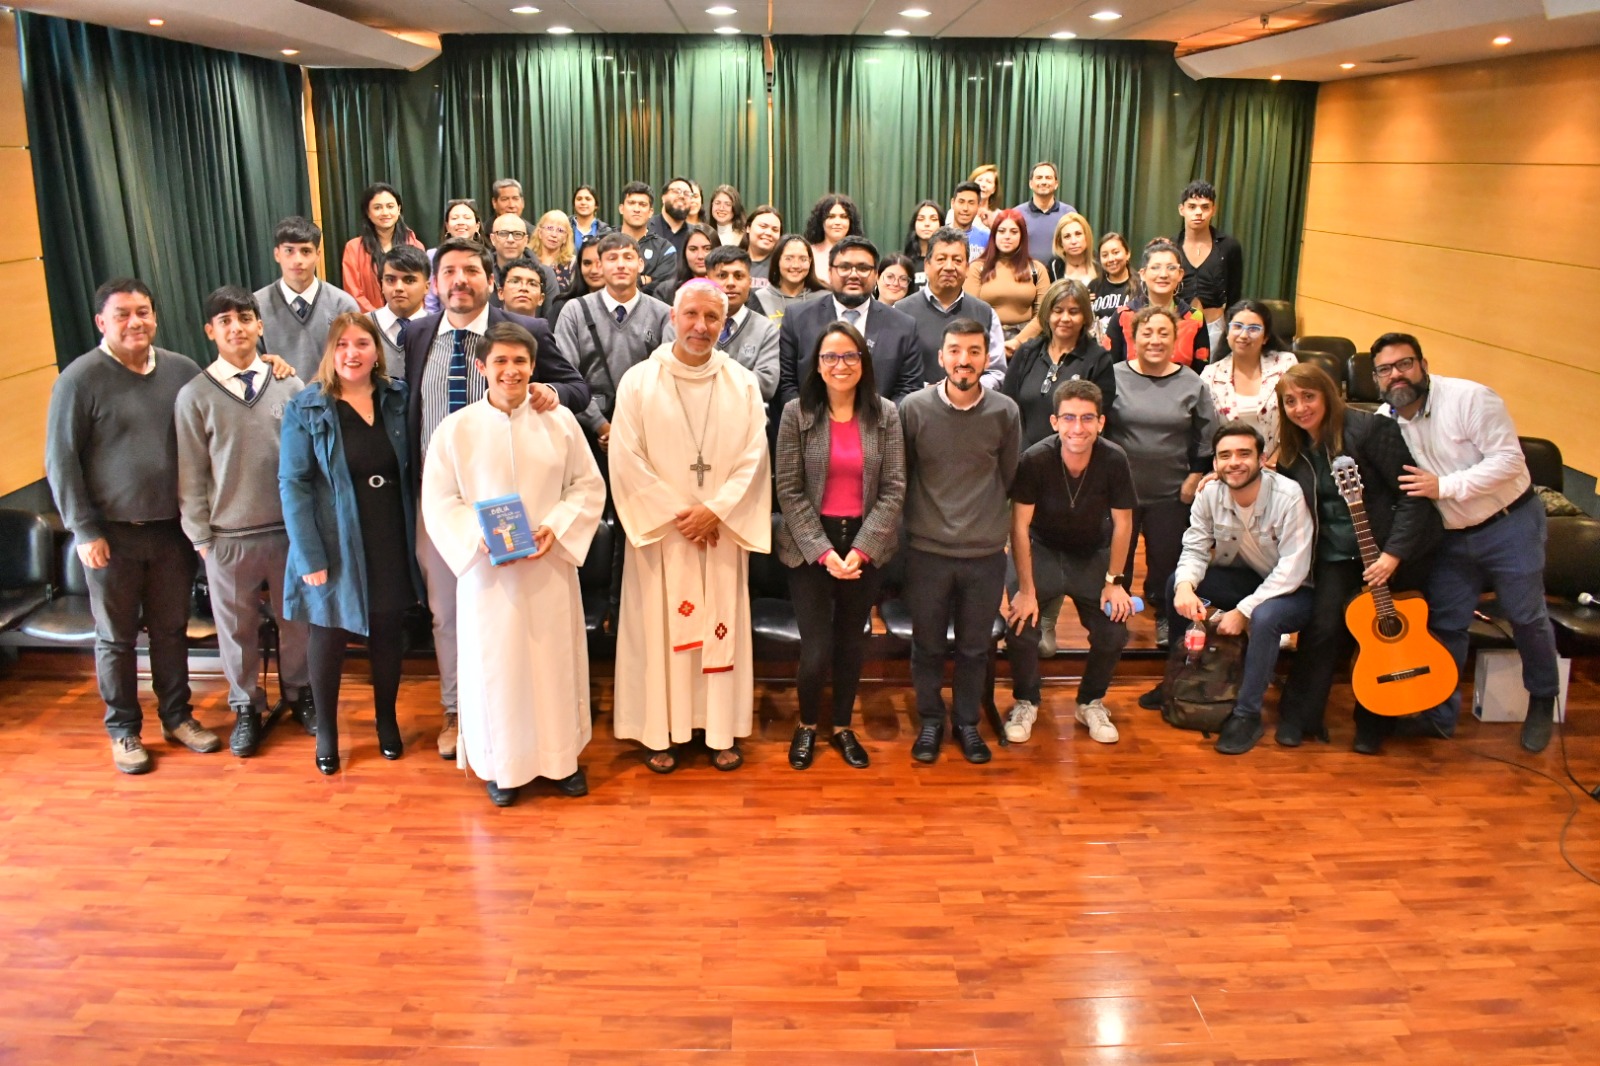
{"x": 301, "y": 343}
{"x": 620, "y": 348}
{"x": 228, "y": 458}
{"x": 959, "y": 467}
{"x": 110, "y": 449}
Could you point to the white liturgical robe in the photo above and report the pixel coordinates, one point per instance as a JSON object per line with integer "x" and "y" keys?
{"x": 684, "y": 643}
{"x": 523, "y": 660}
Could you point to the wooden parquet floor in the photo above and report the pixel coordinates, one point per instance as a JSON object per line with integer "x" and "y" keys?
{"x": 1145, "y": 903}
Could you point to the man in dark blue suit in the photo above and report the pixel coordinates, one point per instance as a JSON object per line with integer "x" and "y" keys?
{"x": 891, "y": 335}
{"x": 439, "y": 352}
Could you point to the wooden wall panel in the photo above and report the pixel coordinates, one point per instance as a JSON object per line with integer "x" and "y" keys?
{"x": 19, "y": 238}
{"x": 1462, "y": 204}
{"x": 1488, "y": 298}
{"x": 1520, "y": 110}
{"x": 1546, "y": 213}
{"x": 13, "y": 120}
{"x": 28, "y": 343}
{"x": 22, "y": 429}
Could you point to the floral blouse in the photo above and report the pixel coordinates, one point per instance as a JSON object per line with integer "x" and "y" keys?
{"x": 1260, "y": 410}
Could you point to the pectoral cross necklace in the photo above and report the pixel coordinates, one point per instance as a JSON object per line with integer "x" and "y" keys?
{"x": 699, "y": 466}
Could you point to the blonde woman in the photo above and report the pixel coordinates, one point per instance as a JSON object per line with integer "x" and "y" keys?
{"x": 553, "y": 246}
{"x": 1073, "y": 245}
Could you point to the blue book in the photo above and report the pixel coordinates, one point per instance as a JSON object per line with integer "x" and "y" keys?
{"x": 506, "y": 528}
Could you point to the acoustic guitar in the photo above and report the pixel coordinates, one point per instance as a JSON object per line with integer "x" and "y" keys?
{"x": 1400, "y": 668}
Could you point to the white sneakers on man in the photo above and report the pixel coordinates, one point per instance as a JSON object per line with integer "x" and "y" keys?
{"x": 1019, "y": 725}
{"x": 1094, "y": 715}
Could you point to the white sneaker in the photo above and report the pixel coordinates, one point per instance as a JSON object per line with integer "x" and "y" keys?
{"x": 1094, "y": 715}
{"x": 1019, "y": 726}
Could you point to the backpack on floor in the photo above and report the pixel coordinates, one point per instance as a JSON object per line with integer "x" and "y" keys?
{"x": 1200, "y": 695}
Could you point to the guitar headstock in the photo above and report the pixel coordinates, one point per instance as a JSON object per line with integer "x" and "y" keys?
{"x": 1347, "y": 478}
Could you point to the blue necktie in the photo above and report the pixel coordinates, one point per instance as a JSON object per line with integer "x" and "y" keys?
{"x": 622, "y": 313}
{"x": 727, "y": 331}
{"x": 458, "y": 372}
{"x": 301, "y": 308}
{"x": 400, "y": 335}
{"x": 249, "y": 379}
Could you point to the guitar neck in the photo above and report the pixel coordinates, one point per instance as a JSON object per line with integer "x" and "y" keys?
{"x": 1369, "y": 553}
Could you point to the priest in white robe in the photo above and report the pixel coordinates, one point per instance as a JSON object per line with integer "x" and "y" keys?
{"x": 689, "y": 478}
{"x": 523, "y": 657}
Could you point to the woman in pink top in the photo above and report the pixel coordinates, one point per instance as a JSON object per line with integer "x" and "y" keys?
{"x": 841, "y": 483}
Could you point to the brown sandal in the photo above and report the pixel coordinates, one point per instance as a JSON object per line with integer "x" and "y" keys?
{"x": 733, "y": 763}
{"x": 671, "y": 764}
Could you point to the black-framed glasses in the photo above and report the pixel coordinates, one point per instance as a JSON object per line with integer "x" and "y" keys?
{"x": 858, "y": 269}
{"x": 836, "y": 358}
{"x": 1399, "y": 366}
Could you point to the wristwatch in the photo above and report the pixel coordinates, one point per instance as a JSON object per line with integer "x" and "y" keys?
{"x": 1114, "y": 579}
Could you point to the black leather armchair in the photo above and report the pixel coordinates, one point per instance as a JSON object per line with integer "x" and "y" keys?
{"x": 25, "y": 565}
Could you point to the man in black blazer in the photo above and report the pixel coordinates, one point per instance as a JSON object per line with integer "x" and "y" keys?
{"x": 438, "y": 353}
{"x": 891, "y": 335}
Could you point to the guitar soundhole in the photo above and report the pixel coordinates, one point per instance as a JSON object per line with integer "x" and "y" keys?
{"x": 1391, "y": 628}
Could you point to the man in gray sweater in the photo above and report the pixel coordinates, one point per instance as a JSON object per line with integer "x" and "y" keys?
{"x": 229, "y": 420}
{"x": 298, "y": 309}
{"x": 962, "y": 446}
{"x": 606, "y": 333}
{"x": 112, "y": 459}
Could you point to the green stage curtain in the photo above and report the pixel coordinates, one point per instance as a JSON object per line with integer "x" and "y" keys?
{"x": 893, "y": 122}
{"x": 157, "y": 159}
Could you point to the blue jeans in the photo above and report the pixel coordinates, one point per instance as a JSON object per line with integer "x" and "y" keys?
{"x": 1507, "y": 556}
{"x": 1225, "y": 586}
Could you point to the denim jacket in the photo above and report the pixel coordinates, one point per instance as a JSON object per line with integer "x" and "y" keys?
{"x": 1280, "y": 525}
{"x": 319, "y": 509}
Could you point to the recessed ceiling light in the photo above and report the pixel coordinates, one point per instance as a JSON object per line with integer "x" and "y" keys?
{"x": 290, "y": 51}
{"x": 722, "y": 10}
{"x": 560, "y": 31}
{"x": 1347, "y": 66}
{"x": 916, "y": 13}
{"x": 525, "y": 9}
{"x": 1063, "y": 35}
{"x": 1277, "y": 77}
{"x": 896, "y": 31}
{"x": 1106, "y": 16}
{"x": 158, "y": 22}
{"x": 1501, "y": 41}
{"x": 727, "y": 31}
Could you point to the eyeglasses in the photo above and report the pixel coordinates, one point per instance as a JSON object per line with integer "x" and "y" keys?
{"x": 858, "y": 269}
{"x": 836, "y": 358}
{"x": 510, "y": 234}
{"x": 1249, "y": 328}
{"x": 894, "y": 281}
{"x": 1077, "y": 420}
{"x": 1399, "y": 366}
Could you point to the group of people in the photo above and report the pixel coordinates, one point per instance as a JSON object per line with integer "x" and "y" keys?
{"x": 1006, "y": 409}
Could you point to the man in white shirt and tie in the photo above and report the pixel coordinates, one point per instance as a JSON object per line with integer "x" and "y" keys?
{"x": 1471, "y": 464}
{"x": 298, "y": 309}
{"x": 404, "y": 278}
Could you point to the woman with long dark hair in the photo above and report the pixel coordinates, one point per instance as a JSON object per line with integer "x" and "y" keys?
{"x": 586, "y": 226}
{"x": 727, "y": 214}
{"x": 923, "y": 225}
{"x": 343, "y": 475}
{"x": 1006, "y": 279}
{"x": 698, "y": 241}
{"x": 894, "y": 278}
{"x": 1244, "y": 383}
{"x": 833, "y": 218}
{"x": 793, "y": 279}
{"x": 383, "y": 226}
{"x": 589, "y": 277}
{"x": 1315, "y": 427}
{"x": 841, "y": 481}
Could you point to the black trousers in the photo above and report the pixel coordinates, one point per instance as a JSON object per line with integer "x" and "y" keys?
{"x": 832, "y": 615}
{"x": 1081, "y": 578}
{"x": 325, "y": 658}
{"x": 149, "y": 581}
{"x": 944, "y": 592}
{"x": 1162, "y": 522}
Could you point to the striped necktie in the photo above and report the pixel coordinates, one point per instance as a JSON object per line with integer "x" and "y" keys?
{"x": 301, "y": 308}
{"x": 458, "y": 372}
{"x": 400, "y": 334}
{"x": 727, "y": 332}
{"x": 248, "y": 377}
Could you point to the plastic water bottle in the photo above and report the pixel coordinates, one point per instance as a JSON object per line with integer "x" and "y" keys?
{"x": 1194, "y": 640}
{"x": 1135, "y": 602}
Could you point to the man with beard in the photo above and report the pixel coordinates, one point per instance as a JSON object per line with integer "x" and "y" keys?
{"x": 944, "y": 300}
{"x": 962, "y": 445}
{"x": 438, "y": 359}
{"x": 1071, "y": 514}
{"x": 891, "y": 334}
{"x": 751, "y": 338}
{"x": 658, "y": 255}
{"x": 672, "y": 223}
{"x": 1246, "y": 556}
{"x": 1470, "y": 464}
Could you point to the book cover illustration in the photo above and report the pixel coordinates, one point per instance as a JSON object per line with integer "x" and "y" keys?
{"x": 507, "y": 529}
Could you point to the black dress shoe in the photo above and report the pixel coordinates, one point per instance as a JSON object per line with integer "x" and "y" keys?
{"x": 305, "y": 712}
{"x": 574, "y": 784}
{"x": 1152, "y": 700}
{"x": 849, "y": 748}
{"x": 501, "y": 797}
{"x": 1239, "y": 734}
{"x": 1369, "y": 738}
{"x": 803, "y": 746}
{"x": 1536, "y": 727}
{"x": 246, "y": 734}
{"x": 972, "y": 745}
{"x": 389, "y": 743}
{"x": 328, "y": 765}
{"x": 929, "y": 737}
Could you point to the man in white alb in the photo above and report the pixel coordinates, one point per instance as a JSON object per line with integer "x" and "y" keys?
{"x": 689, "y": 478}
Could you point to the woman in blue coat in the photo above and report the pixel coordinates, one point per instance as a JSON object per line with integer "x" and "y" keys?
{"x": 343, "y": 474}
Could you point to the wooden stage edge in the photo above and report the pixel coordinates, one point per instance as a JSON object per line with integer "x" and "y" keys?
{"x": 1148, "y": 902}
